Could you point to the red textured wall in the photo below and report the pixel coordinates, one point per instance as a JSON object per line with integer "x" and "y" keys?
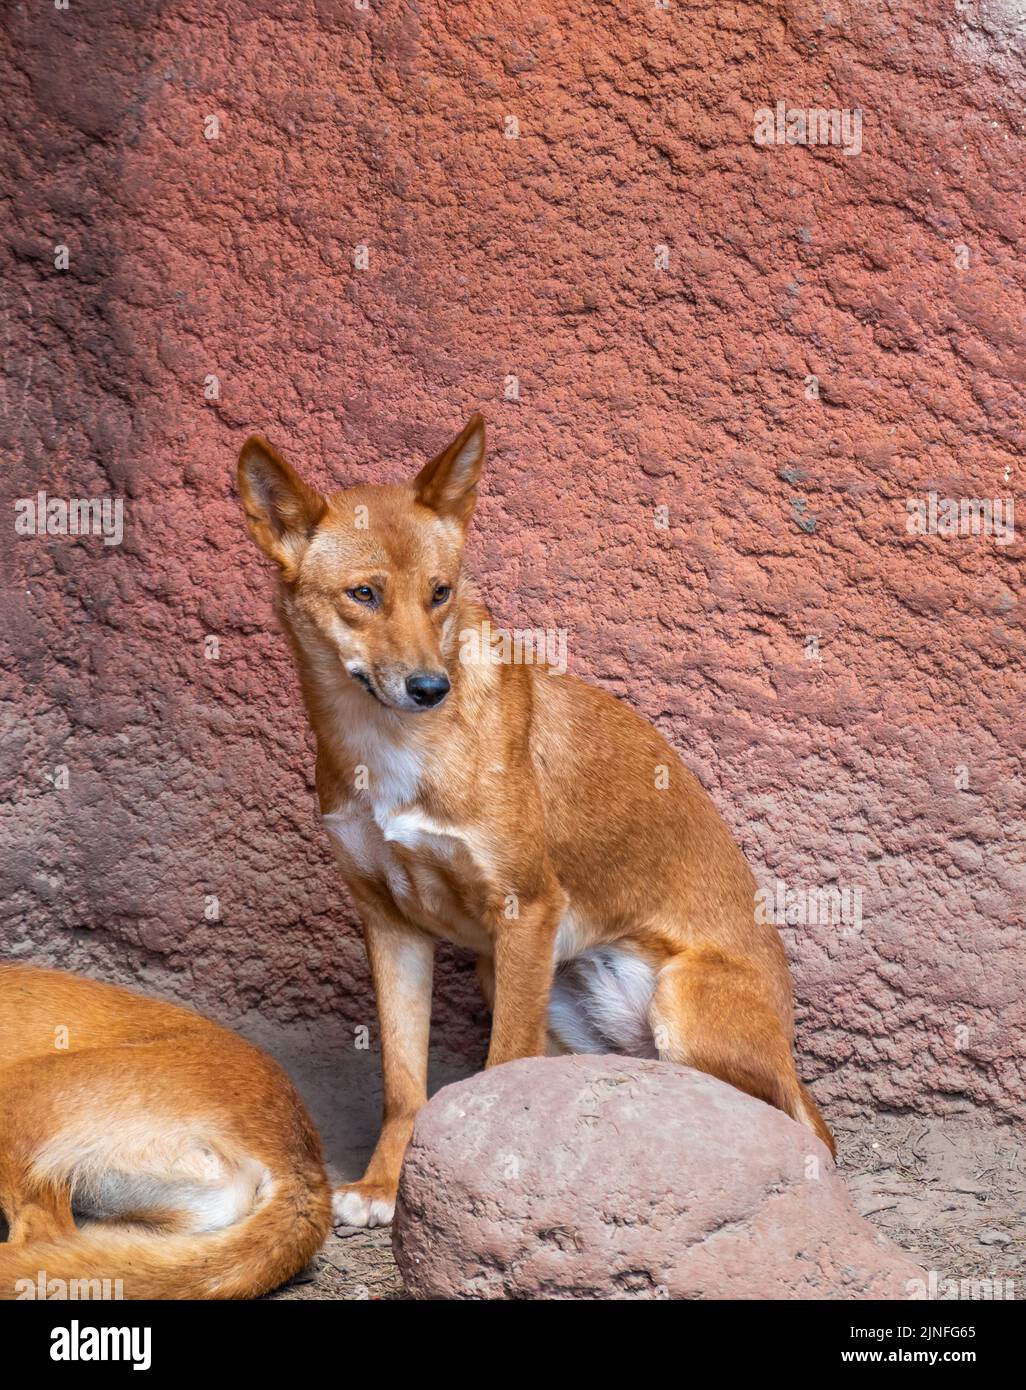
{"x": 682, "y": 387}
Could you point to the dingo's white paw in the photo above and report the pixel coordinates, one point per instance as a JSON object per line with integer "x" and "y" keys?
{"x": 357, "y": 1204}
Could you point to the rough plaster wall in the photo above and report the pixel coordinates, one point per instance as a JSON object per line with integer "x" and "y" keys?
{"x": 639, "y": 388}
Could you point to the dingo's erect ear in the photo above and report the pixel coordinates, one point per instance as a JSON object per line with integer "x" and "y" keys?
{"x": 281, "y": 510}
{"x": 448, "y": 484}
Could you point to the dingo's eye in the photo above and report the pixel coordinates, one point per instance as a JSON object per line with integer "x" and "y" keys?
{"x": 442, "y": 592}
{"x": 362, "y": 594}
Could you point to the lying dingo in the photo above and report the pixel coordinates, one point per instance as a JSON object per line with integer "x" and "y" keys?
{"x": 146, "y": 1149}
{"x": 520, "y": 813}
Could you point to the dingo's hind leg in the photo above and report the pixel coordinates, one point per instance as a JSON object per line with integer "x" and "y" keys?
{"x": 710, "y": 1011}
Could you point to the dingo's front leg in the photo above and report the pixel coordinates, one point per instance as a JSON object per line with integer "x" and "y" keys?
{"x": 524, "y": 964}
{"x": 402, "y": 962}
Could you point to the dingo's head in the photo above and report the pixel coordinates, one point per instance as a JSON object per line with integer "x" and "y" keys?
{"x": 373, "y": 572}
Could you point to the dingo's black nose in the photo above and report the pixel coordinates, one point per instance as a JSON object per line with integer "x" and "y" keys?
{"x": 427, "y": 688}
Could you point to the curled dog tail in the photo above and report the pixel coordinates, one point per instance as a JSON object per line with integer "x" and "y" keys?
{"x": 279, "y": 1235}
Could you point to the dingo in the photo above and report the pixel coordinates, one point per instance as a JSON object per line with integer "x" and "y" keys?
{"x": 143, "y": 1144}
{"x": 529, "y": 817}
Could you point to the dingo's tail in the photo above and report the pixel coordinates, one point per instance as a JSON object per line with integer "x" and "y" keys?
{"x": 281, "y": 1234}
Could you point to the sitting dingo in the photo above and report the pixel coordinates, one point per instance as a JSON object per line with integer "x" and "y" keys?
{"x": 525, "y": 815}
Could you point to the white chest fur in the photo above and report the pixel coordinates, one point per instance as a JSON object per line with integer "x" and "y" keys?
{"x": 427, "y": 868}
{"x": 381, "y": 834}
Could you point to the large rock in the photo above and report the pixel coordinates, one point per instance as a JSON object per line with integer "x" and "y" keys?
{"x": 610, "y": 1177}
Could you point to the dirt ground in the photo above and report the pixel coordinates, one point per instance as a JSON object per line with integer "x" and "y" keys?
{"x": 950, "y": 1191}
